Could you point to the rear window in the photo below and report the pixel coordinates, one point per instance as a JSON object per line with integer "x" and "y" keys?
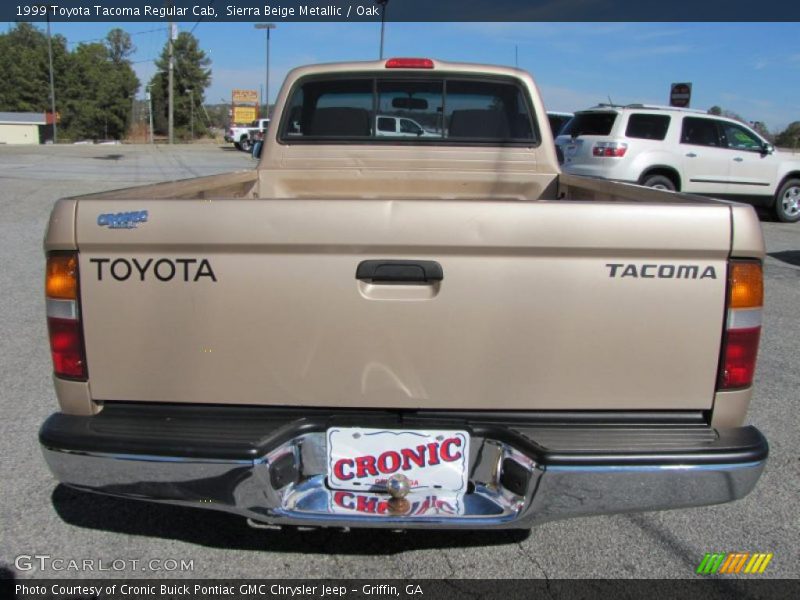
{"x": 647, "y": 127}
{"x": 403, "y": 110}
{"x": 590, "y": 123}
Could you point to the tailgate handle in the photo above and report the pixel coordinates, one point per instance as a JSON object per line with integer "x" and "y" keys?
{"x": 400, "y": 271}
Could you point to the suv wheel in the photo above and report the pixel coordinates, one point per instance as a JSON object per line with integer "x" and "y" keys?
{"x": 787, "y": 202}
{"x": 245, "y": 145}
{"x": 659, "y": 182}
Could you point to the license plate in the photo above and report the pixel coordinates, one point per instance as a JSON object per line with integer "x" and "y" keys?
{"x": 364, "y": 459}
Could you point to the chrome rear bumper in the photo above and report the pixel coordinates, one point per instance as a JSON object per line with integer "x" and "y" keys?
{"x": 519, "y": 475}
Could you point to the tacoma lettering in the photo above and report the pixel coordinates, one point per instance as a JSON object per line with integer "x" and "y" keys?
{"x": 162, "y": 269}
{"x": 651, "y": 271}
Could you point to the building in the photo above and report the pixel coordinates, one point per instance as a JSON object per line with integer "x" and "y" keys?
{"x": 22, "y": 127}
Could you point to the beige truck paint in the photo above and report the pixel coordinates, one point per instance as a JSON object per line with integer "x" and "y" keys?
{"x": 527, "y": 314}
{"x": 527, "y": 317}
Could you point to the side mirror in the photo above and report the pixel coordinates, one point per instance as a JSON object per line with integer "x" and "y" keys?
{"x": 767, "y": 149}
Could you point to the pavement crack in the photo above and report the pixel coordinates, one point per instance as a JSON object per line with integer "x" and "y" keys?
{"x": 450, "y": 564}
{"x": 535, "y": 562}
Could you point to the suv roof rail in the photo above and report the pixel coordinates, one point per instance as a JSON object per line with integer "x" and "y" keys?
{"x": 661, "y": 107}
{"x": 648, "y": 107}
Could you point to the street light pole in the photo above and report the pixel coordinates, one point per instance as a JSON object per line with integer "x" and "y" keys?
{"x": 171, "y": 86}
{"x": 383, "y": 4}
{"x": 191, "y": 113}
{"x": 52, "y": 84}
{"x": 269, "y": 27}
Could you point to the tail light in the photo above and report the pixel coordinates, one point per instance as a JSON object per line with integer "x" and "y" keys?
{"x": 610, "y": 149}
{"x": 409, "y": 63}
{"x": 63, "y": 316}
{"x": 743, "y": 325}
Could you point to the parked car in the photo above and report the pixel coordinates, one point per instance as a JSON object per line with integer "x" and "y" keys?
{"x": 557, "y": 120}
{"x": 386, "y": 125}
{"x": 682, "y": 150}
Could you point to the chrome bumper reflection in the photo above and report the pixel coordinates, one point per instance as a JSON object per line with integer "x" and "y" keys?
{"x": 508, "y": 489}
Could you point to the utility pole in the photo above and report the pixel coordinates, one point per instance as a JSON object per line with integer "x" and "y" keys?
{"x": 171, "y": 113}
{"x": 266, "y": 90}
{"x": 268, "y": 27}
{"x": 150, "y": 107}
{"x": 52, "y": 84}
{"x": 383, "y": 4}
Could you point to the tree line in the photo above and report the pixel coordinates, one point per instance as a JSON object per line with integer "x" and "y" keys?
{"x": 96, "y": 85}
{"x": 191, "y": 76}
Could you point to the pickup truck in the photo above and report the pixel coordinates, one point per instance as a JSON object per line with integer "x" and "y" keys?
{"x": 427, "y": 332}
{"x": 242, "y": 136}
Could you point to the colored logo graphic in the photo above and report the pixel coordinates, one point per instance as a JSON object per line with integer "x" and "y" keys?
{"x": 729, "y": 563}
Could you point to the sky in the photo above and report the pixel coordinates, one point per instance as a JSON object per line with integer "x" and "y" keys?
{"x": 752, "y": 69}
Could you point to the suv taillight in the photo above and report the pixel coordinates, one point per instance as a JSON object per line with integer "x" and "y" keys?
{"x": 63, "y": 315}
{"x": 743, "y": 325}
{"x": 610, "y": 149}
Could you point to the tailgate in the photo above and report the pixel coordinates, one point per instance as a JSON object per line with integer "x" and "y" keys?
{"x": 542, "y": 305}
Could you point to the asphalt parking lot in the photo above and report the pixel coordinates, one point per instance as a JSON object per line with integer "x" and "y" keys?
{"x": 37, "y": 517}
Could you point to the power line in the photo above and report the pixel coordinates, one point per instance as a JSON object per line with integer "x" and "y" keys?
{"x": 102, "y": 39}
{"x": 210, "y": 4}
{"x": 150, "y": 30}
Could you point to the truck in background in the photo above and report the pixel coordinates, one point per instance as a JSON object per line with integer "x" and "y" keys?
{"x": 242, "y": 136}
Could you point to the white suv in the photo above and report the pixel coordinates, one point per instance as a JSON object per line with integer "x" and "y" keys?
{"x": 681, "y": 150}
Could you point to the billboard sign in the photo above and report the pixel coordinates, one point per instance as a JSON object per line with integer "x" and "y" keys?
{"x": 245, "y": 97}
{"x": 244, "y": 114}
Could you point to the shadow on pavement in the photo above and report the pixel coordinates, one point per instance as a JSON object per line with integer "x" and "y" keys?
{"x": 7, "y": 582}
{"x": 7, "y": 573}
{"x": 220, "y": 530}
{"x": 791, "y": 257}
{"x": 766, "y": 215}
